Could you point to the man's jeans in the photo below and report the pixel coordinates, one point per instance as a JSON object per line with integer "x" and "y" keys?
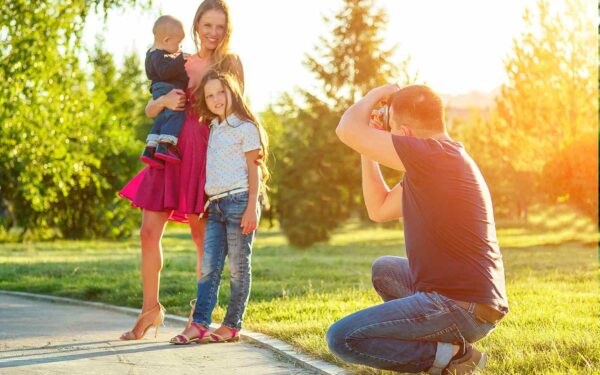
{"x": 168, "y": 124}
{"x": 410, "y": 332}
{"x": 224, "y": 238}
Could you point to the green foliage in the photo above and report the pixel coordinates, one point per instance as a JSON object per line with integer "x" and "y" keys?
{"x": 572, "y": 175}
{"x": 66, "y": 141}
{"x": 549, "y": 101}
{"x": 297, "y": 295}
{"x": 313, "y": 195}
{"x": 351, "y": 59}
{"x": 319, "y": 178}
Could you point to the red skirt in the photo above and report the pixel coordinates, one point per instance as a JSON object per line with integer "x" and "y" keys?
{"x": 178, "y": 189}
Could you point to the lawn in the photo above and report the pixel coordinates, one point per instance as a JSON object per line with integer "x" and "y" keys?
{"x": 551, "y": 272}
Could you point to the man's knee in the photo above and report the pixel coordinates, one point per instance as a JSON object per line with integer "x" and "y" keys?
{"x": 382, "y": 266}
{"x": 382, "y": 271}
{"x": 336, "y": 340}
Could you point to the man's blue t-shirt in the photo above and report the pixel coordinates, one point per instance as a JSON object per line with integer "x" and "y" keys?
{"x": 449, "y": 225}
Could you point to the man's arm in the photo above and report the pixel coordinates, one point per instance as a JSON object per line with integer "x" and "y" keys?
{"x": 355, "y": 132}
{"x": 382, "y": 203}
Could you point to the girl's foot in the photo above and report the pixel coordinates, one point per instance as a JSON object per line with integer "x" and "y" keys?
{"x": 225, "y": 334}
{"x": 153, "y": 317}
{"x": 193, "y": 333}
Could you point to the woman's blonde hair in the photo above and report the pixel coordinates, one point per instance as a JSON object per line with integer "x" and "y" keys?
{"x": 222, "y": 49}
{"x": 239, "y": 107}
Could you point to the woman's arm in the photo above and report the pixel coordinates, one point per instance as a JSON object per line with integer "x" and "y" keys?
{"x": 173, "y": 100}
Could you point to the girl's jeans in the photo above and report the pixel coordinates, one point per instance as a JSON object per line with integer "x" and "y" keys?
{"x": 224, "y": 238}
{"x": 410, "y": 332}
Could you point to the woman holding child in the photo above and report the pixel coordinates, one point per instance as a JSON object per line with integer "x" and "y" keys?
{"x": 176, "y": 191}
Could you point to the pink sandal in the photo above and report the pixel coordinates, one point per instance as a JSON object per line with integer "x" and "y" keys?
{"x": 214, "y": 338}
{"x": 184, "y": 340}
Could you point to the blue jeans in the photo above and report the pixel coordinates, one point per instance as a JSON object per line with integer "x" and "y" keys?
{"x": 224, "y": 238}
{"x": 168, "y": 124}
{"x": 410, "y": 332}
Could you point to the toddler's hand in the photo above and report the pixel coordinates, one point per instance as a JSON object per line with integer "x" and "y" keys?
{"x": 186, "y": 55}
{"x": 249, "y": 221}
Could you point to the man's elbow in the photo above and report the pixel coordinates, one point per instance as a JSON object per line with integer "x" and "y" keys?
{"x": 377, "y": 217}
{"x": 342, "y": 133}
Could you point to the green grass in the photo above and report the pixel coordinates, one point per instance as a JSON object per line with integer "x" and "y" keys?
{"x": 551, "y": 273}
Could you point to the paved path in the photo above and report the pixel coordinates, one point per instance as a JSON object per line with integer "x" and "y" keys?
{"x": 38, "y": 337}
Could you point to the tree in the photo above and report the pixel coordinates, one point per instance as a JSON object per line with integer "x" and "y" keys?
{"x": 320, "y": 183}
{"x": 52, "y": 131}
{"x": 547, "y": 105}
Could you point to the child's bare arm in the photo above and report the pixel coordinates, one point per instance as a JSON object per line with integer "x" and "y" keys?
{"x": 250, "y": 217}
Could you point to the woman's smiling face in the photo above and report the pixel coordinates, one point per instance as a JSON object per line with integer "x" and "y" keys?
{"x": 211, "y": 28}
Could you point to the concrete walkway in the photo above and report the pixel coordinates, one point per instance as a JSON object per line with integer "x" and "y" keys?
{"x": 39, "y": 337}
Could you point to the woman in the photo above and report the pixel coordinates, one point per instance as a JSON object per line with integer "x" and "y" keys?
{"x": 177, "y": 191}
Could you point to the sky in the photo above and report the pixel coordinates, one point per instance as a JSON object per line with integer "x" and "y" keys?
{"x": 456, "y": 46}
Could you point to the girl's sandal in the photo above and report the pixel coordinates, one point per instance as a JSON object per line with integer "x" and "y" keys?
{"x": 203, "y": 336}
{"x": 214, "y": 338}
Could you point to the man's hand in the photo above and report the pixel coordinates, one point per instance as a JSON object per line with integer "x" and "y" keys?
{"x": 382, "y": 93}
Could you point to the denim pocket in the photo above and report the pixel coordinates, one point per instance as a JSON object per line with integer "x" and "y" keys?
{"x": 479, "y": 329}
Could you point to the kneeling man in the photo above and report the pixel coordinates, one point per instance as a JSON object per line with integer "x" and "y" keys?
{"x": 449, "y": 292}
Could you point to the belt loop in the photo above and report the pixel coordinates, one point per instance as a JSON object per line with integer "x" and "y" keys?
{"x": 471, "y": 307}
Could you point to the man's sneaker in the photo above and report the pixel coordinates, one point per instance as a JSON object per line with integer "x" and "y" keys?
{"x": 469, "y": 363}
{"x": 148, "y": 158}
{"x": 167, "y": 152}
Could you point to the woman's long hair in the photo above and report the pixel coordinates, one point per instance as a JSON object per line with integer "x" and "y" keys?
{"x": 238, "y": 107}
{"x": 223, "y": 47}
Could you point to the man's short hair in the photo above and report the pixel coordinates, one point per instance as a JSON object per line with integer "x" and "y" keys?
{"x": 419, "y": 107}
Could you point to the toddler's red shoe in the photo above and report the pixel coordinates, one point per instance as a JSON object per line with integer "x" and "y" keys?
{"x": 167, "y": 152}
{"x": 148, "y": 158}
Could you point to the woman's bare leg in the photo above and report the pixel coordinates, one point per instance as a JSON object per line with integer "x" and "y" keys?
{"x": 151, "y": 231}
{"x": 197, "y": 228}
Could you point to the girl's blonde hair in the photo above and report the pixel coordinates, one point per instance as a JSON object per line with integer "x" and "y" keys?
{"x": 238, "y": 107}
{"x": 222, "y": 49}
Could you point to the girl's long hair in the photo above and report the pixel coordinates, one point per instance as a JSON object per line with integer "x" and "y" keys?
{"x": 222, "y": 49}
{"x": 239, "y": 107}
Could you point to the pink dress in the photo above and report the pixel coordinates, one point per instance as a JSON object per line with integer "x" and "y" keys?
{"x": 178, "y": 189}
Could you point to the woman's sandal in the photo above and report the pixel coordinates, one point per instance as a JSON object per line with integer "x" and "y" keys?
{"x": 203, "y": 336}
{"x": 214, "y": 338}
{"x": 160, "y": 318}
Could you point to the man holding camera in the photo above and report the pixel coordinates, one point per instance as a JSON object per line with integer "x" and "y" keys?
{"x": 449, "y": 292}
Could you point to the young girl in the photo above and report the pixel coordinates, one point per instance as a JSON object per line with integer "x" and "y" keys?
{"x": 233, "y": 180}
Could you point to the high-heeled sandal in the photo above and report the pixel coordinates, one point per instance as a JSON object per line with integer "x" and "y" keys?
{"x": 158, "y": 321}
{"x": 215, "y": 338}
